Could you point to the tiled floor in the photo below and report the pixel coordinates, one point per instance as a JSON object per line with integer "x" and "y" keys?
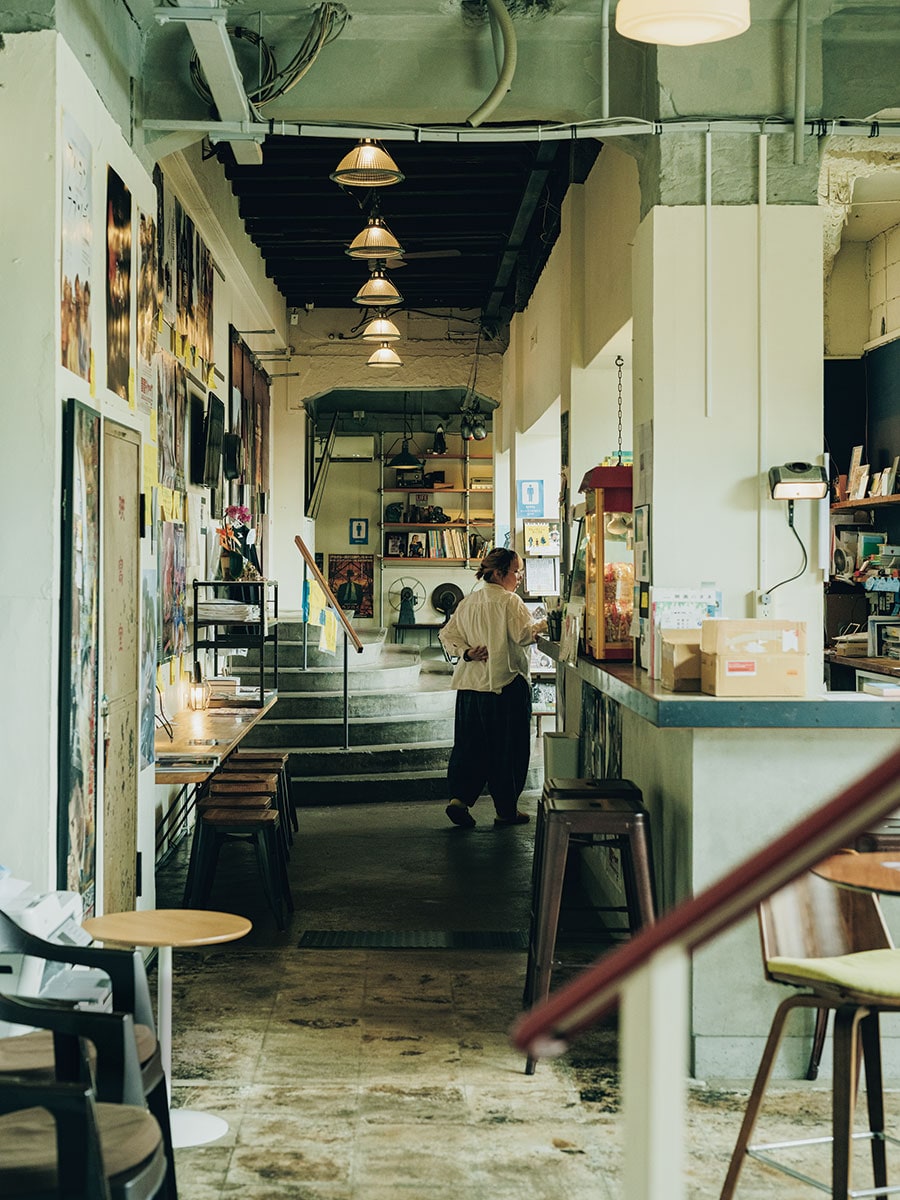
{"x": 388, "y": 1074}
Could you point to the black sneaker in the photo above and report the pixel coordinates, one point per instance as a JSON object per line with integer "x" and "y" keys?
{"x": 519, "y": 819}
{"x": 460, "y": 815}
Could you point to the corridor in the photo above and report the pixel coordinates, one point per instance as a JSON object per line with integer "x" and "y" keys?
{"x": 387, "y": 1073}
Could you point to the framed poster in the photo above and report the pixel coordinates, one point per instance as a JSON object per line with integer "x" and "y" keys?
{"x": 350, "y": 577}
{"x": 79, "y": 654}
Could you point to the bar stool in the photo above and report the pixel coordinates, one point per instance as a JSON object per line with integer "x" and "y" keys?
{"x": 600, "y": 812}
{"x": 215, "y": 827}
{"x": 225, "y": 784}
{"x": 268, "y": 760}
{"x": 240, "y": 798}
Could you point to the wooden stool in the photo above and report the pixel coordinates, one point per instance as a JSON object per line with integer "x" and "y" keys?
{"x": 608, "y": 812}
{"x": 226, "y": 784}
{"x": 214, "y": 827}
{"x": 268, "y": 760}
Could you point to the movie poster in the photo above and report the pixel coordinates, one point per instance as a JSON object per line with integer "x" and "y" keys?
{"x": 350, "y": 578}
{"x": 118, "y": 284}
{"x": 148, "y": 302}
{"x": 172, "y": 572}
{"x": 77, "y": 240}
{"x": 165, "y": 364}
{"x": 166, "y": 204}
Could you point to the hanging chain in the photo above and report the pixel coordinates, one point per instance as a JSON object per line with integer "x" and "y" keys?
{"x": 620, "y": 363}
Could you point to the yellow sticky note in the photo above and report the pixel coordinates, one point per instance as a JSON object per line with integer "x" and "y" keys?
{"x": 211, "y": 375}
{"x": 171, "y": 670}
{"x": 181, "y": 666}
{"x": 159, "y": 677}
{"x": 153, "y": 425}
{"x": 151, "y": 467}
{"x": 92, "y": 376}
{"x": 131, "y": 389}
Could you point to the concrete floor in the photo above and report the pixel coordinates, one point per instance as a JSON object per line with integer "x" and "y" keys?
{"x": 388, "y": 1074}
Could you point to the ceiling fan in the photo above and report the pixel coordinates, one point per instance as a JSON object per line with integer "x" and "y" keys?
{"x": 399, "y": 260}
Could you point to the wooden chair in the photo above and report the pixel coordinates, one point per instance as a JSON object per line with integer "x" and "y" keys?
{"x": 57, "y": 1142}
{"x": 833, "y": 943}
{"x": 31, "y": 1056}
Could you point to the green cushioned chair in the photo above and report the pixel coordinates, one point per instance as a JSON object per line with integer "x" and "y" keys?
{"x": 833, "y": 943}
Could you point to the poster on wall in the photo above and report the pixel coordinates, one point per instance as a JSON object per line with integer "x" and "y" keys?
{"x": 118, "y": 284}
{"x": 529, "y": 497}
{"x": 165, "y": 203}
{"x": 184, "y": 273}
{"x": 350, "y": 578}
{"x": 148, "y": 668}
{"x": 165, "y": 364}
{"x": 79, "y": 641}
{"x": 147, "y": 310}
{"x": 201, "y": 333}
{"x": 77, "y": 239}
{"x": 172, "y": 573}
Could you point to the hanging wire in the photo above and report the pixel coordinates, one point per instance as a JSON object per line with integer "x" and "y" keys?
{"x": 328, "y": 21}
{"x": 790, "y": 515}
{"x": 620, "y": 363}
{"x": 161, "y": 719}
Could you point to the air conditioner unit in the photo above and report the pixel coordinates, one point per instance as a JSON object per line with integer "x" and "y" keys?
{"x": 358, "y": 448}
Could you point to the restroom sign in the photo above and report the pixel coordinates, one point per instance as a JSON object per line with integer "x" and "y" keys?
{"x": 359, "y": 531}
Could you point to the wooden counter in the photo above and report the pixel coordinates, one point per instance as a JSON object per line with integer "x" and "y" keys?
{"x": 202, "y": 740}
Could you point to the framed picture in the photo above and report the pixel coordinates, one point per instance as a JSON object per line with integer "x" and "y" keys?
{"x": 416, "y": 546}
{"x": 78, "y": 659}
{"x": 395, "y": 545}
{"x": 350, "y": 577}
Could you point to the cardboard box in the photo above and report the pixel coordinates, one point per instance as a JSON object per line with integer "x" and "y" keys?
{"x": 753, "y": 658}
{"x": 680, "y": 660}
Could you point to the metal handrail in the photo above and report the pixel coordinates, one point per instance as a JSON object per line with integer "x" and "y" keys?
{"x": 350, "y": 634}
{"x": 547, "y": 1029}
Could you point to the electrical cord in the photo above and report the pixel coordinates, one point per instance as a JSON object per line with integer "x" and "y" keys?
{"x": 161, "y": 719}
{"x": 790, "y": 515}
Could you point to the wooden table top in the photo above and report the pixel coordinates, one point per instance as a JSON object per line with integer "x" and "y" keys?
{"x": 878, "y": 871}
{"x": 203, "y": 740}
{"x": 168, "y": 927}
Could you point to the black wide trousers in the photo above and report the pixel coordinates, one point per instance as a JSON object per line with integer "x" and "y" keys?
{"x": 492, "y": 745}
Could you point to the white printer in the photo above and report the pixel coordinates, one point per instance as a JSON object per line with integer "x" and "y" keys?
{"x": 55, "y": 917}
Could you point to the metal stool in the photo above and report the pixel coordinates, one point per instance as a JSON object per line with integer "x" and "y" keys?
{"x": 608, "y": 812}
{"x": 268, "y": 760}
{"x": 226, "y": 784}
{"x": 214, "y": 827}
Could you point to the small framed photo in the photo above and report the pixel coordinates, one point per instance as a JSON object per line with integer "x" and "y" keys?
{"x": 395, "y": 545}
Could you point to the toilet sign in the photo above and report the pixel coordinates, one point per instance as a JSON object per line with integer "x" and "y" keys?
{"x": 359, "y": 531}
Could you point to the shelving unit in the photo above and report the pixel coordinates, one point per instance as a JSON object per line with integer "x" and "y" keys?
{"x": 224, "y": 634}
{"x": 868, "y": 502}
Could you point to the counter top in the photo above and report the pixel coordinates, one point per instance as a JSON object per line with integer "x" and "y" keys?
{"x": 635, "y": 690}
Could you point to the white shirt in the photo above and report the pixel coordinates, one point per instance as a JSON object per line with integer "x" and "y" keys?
{"x": 493, "y": 617}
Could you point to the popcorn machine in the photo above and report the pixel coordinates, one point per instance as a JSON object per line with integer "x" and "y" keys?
{"x": 609, "y": 562}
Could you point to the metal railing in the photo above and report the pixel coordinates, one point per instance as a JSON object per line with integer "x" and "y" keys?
{"x": 651, "y": 972}
{"x": 350, "y": 635}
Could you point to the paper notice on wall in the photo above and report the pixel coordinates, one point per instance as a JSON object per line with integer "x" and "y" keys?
{"x": 328, "y": 634}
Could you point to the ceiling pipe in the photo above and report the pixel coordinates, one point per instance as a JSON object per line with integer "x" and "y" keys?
{"x": 498, "y": 14}
{"x": 800, "y": 83}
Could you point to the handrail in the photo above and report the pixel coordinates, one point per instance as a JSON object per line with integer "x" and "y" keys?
{"x": 546, "y": 1030}
{"x": 320, "y": 579}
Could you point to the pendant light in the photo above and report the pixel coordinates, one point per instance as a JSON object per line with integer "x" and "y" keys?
{"x": 381, "y": 330}
{"x": 378, "y": 290}
{"x": 384, "y": 356}
{"x": 682, "y": 22}
{"x": 367, "y": 165}
{"x": 375, "y": 241}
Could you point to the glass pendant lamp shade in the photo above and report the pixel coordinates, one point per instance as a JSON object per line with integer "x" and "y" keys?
{"x": 384, "y": 356}
{"x": 367, "y": 165}
{"x": 682, "y": 22}
{"x": 375, "y": 241}
{"x": 379, "y": 290}
{"x": 381, "y": 330}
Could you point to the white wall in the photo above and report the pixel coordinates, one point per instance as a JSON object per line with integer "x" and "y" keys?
{"x": 847, "y": 317}
{"x": 883, "y": 270}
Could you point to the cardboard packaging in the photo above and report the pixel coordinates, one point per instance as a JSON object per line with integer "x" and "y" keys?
{"x": 753, "y": 658}
{"x": 680, "y": 660}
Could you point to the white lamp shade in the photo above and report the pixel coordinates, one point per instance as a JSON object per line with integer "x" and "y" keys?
{"x": 381, "y": 330}
{"x": 384, "y": 356}
{"x": 682, "y": 22}
{"x": 375, "y": 241}
{"x": 378, "y": 290}
{"x": 367, "y": 165}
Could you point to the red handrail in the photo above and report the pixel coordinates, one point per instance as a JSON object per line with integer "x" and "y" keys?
{"x": 548, "y": 1027}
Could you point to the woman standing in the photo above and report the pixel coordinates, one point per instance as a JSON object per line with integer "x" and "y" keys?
{"x": 488, "y": 632}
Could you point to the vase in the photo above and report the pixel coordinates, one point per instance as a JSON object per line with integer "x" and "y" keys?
{"x": 232, "y": 564}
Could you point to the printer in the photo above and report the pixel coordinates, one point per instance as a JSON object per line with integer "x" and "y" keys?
{"x": 55, "y": 917}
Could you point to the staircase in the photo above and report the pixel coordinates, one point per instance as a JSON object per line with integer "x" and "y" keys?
{"x": 401, "y": 719}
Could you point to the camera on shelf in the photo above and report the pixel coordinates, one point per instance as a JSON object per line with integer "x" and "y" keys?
{"x": 393, "y": 513}
{"x": 433, "y": 477}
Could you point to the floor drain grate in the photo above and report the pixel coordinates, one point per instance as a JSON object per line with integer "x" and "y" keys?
{"x": 341, "y": 939}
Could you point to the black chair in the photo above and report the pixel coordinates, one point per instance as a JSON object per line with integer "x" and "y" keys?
{"x": 31, "y": 1056}
{"x": 58, "y": 1143}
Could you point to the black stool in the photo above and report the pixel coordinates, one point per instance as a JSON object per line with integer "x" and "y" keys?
{"x": 268, "y": 760}
{"x": 608, "y": 812}
{"x": 215, "y": 827}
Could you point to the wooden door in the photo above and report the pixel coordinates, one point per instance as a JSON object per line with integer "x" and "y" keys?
{"x": 121, "y": 643}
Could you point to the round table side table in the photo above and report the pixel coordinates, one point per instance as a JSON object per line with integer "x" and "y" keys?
{"x": 166, "y": 928}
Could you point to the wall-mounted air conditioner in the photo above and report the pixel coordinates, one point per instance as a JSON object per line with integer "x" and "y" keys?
{"x": 358, "y": 448}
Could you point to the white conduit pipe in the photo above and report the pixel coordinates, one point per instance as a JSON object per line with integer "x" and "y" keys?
{"x": 707, "y": 266}
{"x": 604, "y": 59}
{"x": 762, "y": 351}
{"x": 498, "y": 12}
{"x": 800, "y": 83}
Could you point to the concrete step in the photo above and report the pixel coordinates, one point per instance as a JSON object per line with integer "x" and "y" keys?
{"x": 418, "y": 701}
{"x": 302, "y": 732}
{"x": 391, "y": 674}
{"x": 310, "y": 791}
{"x": 291, "y": 651}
